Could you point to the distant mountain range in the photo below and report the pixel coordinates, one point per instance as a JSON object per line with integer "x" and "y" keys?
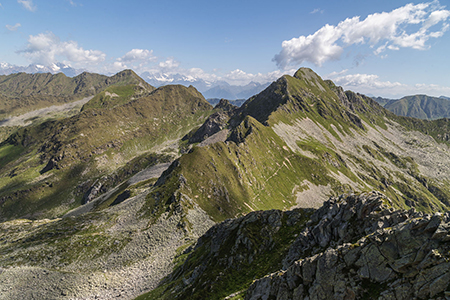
{"x": 7, "y": 69}
{"x": 418, "y": 106}
{"x": 209, "y": 89}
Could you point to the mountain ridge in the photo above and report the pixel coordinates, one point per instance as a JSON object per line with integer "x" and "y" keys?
{"x": 24, "y": 92}
{"x": 297, "y": 143}
{"x": 355, "y": 246}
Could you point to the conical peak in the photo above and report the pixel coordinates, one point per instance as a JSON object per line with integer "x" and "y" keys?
{"x": 306, "y": 73}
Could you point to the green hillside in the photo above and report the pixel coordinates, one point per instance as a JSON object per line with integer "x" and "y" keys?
{"x": 47, "y": 168}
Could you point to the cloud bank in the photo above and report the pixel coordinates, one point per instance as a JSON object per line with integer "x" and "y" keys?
{"x": 372, "y": 85}
{"x": 47, "y": 48}
{"x": 410, "y": 26}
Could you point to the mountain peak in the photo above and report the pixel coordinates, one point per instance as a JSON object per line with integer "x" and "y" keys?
{"x": 306, "y": 73}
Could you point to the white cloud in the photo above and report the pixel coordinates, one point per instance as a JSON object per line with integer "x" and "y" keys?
{"x": 170, "y": 67}
{"x": 137, "y": 55}
{"x": 47, "y": 48}
{"x": 27, "y": 4}
{"x": 239, "y": 77}
{"x": 409, "y": 26}
{"x": 169, "y": 64}
{"x": 317, "y": 10}
{"x": 13, "y": 27}
{"x": 371, "y": 84}
{"x": 365, "y": 80}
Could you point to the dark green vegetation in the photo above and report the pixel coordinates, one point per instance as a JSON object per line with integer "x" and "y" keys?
{"x": 296, "y": 143}
{"x": 418, "y": 106}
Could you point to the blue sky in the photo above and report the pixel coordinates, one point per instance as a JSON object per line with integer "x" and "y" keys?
{"x": 383, "y": 48}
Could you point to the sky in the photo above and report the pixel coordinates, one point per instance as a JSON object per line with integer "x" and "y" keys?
{"x": 381, "y": 48}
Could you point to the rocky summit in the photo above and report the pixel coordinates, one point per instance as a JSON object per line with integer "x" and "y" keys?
{"x": 306, "y": 191}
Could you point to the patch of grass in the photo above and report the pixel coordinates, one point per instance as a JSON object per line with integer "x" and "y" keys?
{"x": 114, "y": 96}
{"x": 9, "y": 153}
{"x": 67, "y": 241}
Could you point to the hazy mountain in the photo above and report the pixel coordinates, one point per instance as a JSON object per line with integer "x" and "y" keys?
{"x": 161, "y": 79}
{"x": 215, "y": 101}
{"x": 134, "y": 188}
{"x": 209, "y": 89}
{"x": 418, "y": 106}
{"x": 234, "y": 92}
{"x": 382, "y": 101}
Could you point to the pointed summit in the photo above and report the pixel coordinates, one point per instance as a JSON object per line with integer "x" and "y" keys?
{"x": 306, "y": 73}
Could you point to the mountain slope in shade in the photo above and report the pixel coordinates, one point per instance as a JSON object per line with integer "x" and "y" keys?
{"x": 234, "y": 92}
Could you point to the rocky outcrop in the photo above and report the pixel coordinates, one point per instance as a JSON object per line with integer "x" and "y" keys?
{"x": 225, "y": 105}
{"x": 215, "y": 123}
{"x": 358, "y": 246}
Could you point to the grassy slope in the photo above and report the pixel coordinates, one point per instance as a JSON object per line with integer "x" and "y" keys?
{"x": 84, "y": 146}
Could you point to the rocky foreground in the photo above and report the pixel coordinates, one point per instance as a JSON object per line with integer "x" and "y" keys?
{"x": 361, "y": 247}
{"x": 353, "y": 247}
